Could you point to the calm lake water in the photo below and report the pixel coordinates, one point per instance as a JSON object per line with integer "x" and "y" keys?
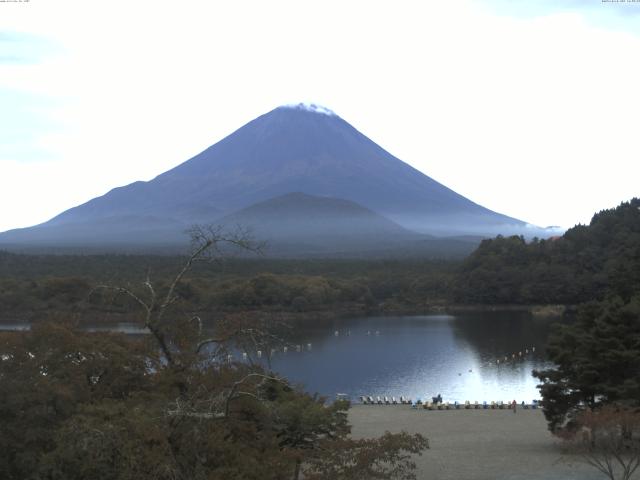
{"x": 421, "y": 356}
{"x": 468, "y": 356}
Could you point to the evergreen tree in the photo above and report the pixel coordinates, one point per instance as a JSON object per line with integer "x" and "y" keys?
{"x": 597, "y": 361}
{"x": 586, "y": 263}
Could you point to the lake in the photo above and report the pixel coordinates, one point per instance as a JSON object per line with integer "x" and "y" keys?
{"x": 470, "y": 356}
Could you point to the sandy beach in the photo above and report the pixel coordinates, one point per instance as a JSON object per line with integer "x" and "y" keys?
{"x": 476, "y": 444}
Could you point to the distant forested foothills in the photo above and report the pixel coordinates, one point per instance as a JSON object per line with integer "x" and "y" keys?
{"x": 36, "y": 287}
{"x": 589, "y": 262}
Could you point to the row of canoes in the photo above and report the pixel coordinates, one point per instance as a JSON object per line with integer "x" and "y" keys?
{"x": 467, "y": 405}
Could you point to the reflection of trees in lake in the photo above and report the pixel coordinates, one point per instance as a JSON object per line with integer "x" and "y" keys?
{"x": 416, "y": 355}
{"x": 500, "y": 334}
{"x": 495, "y": 333}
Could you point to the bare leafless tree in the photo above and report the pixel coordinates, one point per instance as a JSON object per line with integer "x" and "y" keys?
{"x": 209, "y": 243}
{"x": 204, "y": 404}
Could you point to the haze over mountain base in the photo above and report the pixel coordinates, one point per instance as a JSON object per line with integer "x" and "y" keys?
{"x": 302, "y": 178}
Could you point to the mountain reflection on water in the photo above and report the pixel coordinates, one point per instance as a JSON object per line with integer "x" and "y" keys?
{"x": 420, "y": 356}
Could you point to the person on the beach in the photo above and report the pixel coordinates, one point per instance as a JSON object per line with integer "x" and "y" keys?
{"x": 514, "y": 405}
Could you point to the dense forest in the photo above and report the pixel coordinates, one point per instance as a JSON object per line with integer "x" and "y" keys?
{"x": 588, "y": 262}
{"x": 34, "y": 287}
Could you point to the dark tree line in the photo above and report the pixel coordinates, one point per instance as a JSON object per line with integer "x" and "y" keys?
{"x": 36, "y": 287}
{"x": 586, "y": 263}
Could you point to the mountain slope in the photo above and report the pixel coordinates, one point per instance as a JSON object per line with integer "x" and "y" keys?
{"x": 301, "y": 215}
{"x": 290, "y": 149}
{"x": 297, "y": 223}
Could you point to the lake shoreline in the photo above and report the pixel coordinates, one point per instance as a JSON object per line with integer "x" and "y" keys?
{"x": 476, "y": 357}
{"x": 299, "y": 318}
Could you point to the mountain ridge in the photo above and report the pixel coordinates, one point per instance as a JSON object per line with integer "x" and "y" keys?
{"x": 285, "y": 150}
{"x": 289, "y": 149}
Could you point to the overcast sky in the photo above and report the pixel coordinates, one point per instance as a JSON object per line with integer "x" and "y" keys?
{"x": 531, "y": 109}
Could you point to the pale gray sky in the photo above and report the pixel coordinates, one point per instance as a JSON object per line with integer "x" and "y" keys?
{"x": 528, "y": 108}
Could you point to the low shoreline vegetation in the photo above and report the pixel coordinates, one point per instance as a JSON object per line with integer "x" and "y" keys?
{"x": 37, "y": 287}
{"x": 78, "y": 405}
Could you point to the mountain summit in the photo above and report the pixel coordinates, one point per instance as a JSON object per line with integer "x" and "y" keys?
{"x": 300, "y": 148}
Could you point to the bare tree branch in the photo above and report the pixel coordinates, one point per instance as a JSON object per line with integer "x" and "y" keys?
{"x": 146, "y": 307}
{"x": 205, "y": 241}
{"x": 207, "y": 341}
{"x": 233, "y": 393}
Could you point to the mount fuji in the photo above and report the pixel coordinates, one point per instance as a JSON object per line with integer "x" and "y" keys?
{"x": 306, "y": 150}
